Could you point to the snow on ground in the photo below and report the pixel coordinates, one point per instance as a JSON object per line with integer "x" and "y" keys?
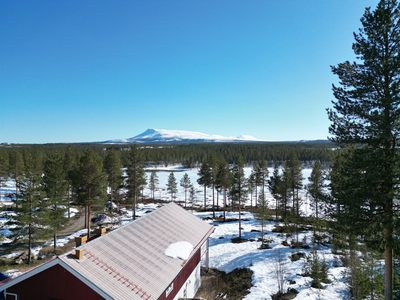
{"x": 227, "y": 256}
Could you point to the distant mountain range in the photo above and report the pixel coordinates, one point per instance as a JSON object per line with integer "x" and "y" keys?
{"x": 160, "y": 136}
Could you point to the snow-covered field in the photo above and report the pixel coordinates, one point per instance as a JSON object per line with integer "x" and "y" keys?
{"x": 227, "y": 256}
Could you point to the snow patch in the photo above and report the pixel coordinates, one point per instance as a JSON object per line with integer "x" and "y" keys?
{"x": 180, "y": 250}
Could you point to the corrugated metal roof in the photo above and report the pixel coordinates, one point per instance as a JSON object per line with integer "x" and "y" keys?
{"x": 129, "y": 263}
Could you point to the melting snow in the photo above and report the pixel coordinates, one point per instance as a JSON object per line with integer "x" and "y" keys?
{"x": 180, "y": 250}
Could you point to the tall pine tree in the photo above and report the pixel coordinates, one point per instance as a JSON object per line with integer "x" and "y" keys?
{"x": 185, "y": 183}
{"x": 153, "y": 182}
{"x": 90, "y": 184}
{"x": 172, "y": 185}
{"x": 366, "y": 113}
{"x": 238, "y": 191}
{"x": 30, "y": 220}
{"x": 135, "y": 176}
{"x": 55, "y": 186}
{"x": 112, "y": 166}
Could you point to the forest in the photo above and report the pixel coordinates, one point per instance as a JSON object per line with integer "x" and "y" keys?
{"x": 49, "y": 179}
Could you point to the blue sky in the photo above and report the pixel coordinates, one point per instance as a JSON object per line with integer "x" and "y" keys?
{"x": 80, "y": 71}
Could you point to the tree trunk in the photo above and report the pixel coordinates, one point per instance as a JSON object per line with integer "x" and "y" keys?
{"x": 389, "y": 262}
{"x": 213, "y": 205}
{"x": 205, "y": 203}
{"x": 134, "y": 206}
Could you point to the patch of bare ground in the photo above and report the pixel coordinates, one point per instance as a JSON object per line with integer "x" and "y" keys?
{"x": 220, "y": 285}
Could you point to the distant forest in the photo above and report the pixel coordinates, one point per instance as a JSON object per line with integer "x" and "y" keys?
{"x": 192, "y": 155}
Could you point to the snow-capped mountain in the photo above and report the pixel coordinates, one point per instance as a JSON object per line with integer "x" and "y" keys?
{"x": 159, "y": 136}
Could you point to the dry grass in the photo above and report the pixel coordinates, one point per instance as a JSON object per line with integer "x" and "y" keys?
{"x": 217, "y": 285}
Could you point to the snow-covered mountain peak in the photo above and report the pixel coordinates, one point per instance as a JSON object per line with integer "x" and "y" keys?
{"x": 180, "y": 136}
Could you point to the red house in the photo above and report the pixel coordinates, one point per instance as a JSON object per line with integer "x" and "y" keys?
{"x": 132, "y": 262}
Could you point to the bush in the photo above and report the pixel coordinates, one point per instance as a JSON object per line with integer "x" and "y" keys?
{"x": 316, "y": 268}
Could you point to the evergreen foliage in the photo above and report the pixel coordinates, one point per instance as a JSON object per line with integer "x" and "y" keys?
{"x": 204, "y": 178}
{"x": 186, "y": 184}
{"x": 316, "y": 268}
{"x": 112, "y": 167}
{"x": 135, "y": 178}
{"x": 172, "y": 185}
{"x": 223, "y": 181}
{"x": 4, "y": 168}
{"x": 30, "y": 217}
{"x": 55, "y": 186}
{"x": 153, "y": 182}
{"x": 90, "y": 184}
{"x": 315, "y": 191}
{"x": 366, "y": 115}
{"x": 238, "y": 186}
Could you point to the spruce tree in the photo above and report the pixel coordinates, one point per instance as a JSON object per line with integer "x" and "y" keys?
{"x": 366, "y": 113}
{"x": 135, "y": 176}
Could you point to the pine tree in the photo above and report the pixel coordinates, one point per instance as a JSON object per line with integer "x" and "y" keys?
{"x": 315, "y": 190}
{"x": 186, "y": 184}
{"x": 112, "y": 166}
{"x": 55, "y": 186}
{"x": 90, "y": 184}
{"x": 262, "y": 175}
{"x": 224, "y": 180}
{"x": 172, "y": 185}
{"x": 284, "y": 190}
{"x": 366, "y": 113}
{"x": 69, "y": 167}
{"x": 204, "y": 179}
{"x": 213, "y": 170}
{"x": 238, "y": 188}
{"x": 192, "y": 193}
{"x": 4, "y": 168}
{"x": 135, "y": 176}
{"x": 295, "y": 174}
{"x": 273, "y": 186}
{"x": 30, "y": 219}
{"x": 252, "y": 183}
{"x": 153, "y": 182}
{"x": 262, "y": 214}
{"x": 16, "y": 168}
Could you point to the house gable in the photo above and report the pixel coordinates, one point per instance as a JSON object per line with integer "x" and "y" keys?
{"x": 54, "y": 282}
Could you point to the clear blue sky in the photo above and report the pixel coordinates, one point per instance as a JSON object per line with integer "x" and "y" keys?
{"x": 80, "y": 71}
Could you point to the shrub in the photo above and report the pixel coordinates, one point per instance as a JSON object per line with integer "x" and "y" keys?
{"x": 316, "y": 268}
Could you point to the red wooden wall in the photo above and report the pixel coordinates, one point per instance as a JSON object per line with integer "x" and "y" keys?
{"x": 183, "y": 275}
{"x": 53, "y": 283}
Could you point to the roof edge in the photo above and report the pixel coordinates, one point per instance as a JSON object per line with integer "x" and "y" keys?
{"x": 49, "y": 264}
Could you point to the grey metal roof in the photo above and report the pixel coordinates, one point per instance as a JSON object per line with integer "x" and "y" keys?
{"x": 129, "y": 263}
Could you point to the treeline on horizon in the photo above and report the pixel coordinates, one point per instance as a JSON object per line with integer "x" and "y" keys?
{"x": 191, "y": 155}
